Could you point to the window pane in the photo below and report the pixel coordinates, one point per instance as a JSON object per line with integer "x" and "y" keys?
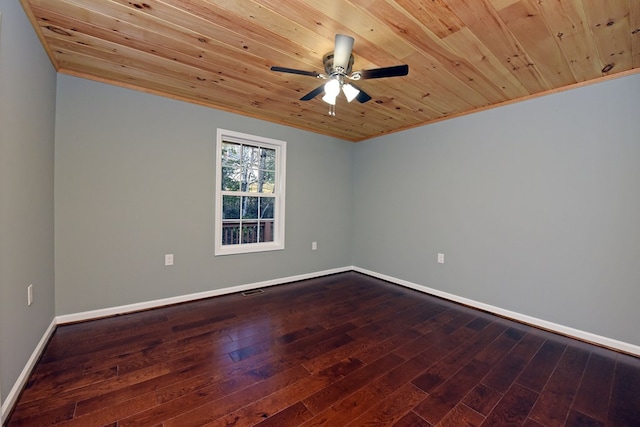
{"x": 250, "y": 155}
{"x": 268, "y": 181}
{"x": 266, "y": 231}
{"x": 230, "y": 233}
{"x": 230, "y": 207}
{"x": 260, "y": 181}
{"x": 266, "y": 207}
{"x": 230, "y": 154}
{"x": 268, "y": 159}
{"x": 230, "y": 179}
{"x": 249, "y": 232}
{"x": 250, "y": 208}
{"x": 251, "y": 177}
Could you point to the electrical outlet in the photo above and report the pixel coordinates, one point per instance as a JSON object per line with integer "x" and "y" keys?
{"x": 314, "y": 246}
{"x": 29, "y": 294}
{"x": 440, "y": 258}
{"x": 168, "y": 259}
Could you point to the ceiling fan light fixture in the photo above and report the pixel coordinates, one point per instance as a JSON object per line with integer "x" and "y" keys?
{"x": 331, "y": 100}
{"x": 350, "y": 92}
{"x": 331, "y": 91}
{"x": 332, "y": 88}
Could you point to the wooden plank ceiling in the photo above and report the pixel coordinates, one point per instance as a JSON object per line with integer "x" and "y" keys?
{"x": 463, "y": 55}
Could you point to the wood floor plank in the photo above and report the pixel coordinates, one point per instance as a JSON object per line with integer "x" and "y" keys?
{"x": 438, "y": 331}
{"x": 307, "y": 350}
{"x": 412, "y": 420}
{"x": 391, "y": 408}
{"x": 383, "y": 305}
{"x": 624, "y": 409}
{"x": 446, "y": 315}
{"x": 53, "y": 416}
{"x": 114, "y": 393}
{"x": 539, "y": 369}
{"x": 344, "y": 349}
{"x": 598, "y": 375}
{"x": 354, "y": 405}
{"x": 446, "y": 396}
{"x": 461, "y": 415}
{"x": 514, "y": 408}
{"x": 281, "y": 399}
{"x": 482, "y": 399}
{"x": 393, "y": 344}
{"x": 554, "y": 403}
{"x": 294, "y": 415}
{"x": 531, "y": 423}
{"x": 440, "y": 372}
{"x": 344, "y": 387}
{"x": 367, "y": 349}
{"x": 398, "y": 321}
{"x": 576, "y": 418}
{"x": 220, "y": 404}
{"x": 505, "y": 372}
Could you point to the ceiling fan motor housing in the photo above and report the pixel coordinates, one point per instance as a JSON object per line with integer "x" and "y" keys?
{"x": 327, "y": 60}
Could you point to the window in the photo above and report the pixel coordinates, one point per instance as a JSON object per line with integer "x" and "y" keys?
{"x": 250, "y": 177}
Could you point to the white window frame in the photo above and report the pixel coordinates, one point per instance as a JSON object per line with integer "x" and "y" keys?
{"x": 280, "y": 148}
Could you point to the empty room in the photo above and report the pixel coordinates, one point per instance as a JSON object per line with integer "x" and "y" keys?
{"x": 302, "y": 213}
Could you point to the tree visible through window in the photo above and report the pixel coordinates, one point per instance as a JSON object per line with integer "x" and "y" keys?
{"x": 250, "y": 193}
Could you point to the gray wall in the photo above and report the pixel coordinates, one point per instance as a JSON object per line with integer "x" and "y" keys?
{"x": 27, "y": 110}
{"x": 134, "y": 179}
{"x": 535, "y": 205}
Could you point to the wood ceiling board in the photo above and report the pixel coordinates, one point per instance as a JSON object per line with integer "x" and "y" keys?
{"x": 195, "y": 58}
{"x": 485, "y": 22}
{"x": 526, "y": 23}
{"x": 435, "y": 15}
{"x": 609, "y": 22}
{"x": 360, "y": 24}
{"x": 438, "y": 52}
{"x": 466, "y": 44}
{"x": 463, "y": 56}
{"x": 567, "y": 21}
{"x": 634, "y": 26}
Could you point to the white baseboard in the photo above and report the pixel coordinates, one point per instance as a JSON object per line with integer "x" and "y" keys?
{"x": 12, "y": 397}
{"x": 522, "y": 318}
{"x": 129, "y": 308}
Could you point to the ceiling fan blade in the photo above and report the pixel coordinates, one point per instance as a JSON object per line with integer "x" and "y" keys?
{"x": 378, "y": 73}
{"x": 342, "y": 51}
{"x": 294, "y": 71}
{"x": 363, "y": 96}
{"x": 317, "y": 91}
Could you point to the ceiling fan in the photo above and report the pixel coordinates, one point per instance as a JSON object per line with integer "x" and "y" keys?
{"x": 337, "y": 66}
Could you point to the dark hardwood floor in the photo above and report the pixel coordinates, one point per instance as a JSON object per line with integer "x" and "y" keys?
{"x": 341, "y": 350}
